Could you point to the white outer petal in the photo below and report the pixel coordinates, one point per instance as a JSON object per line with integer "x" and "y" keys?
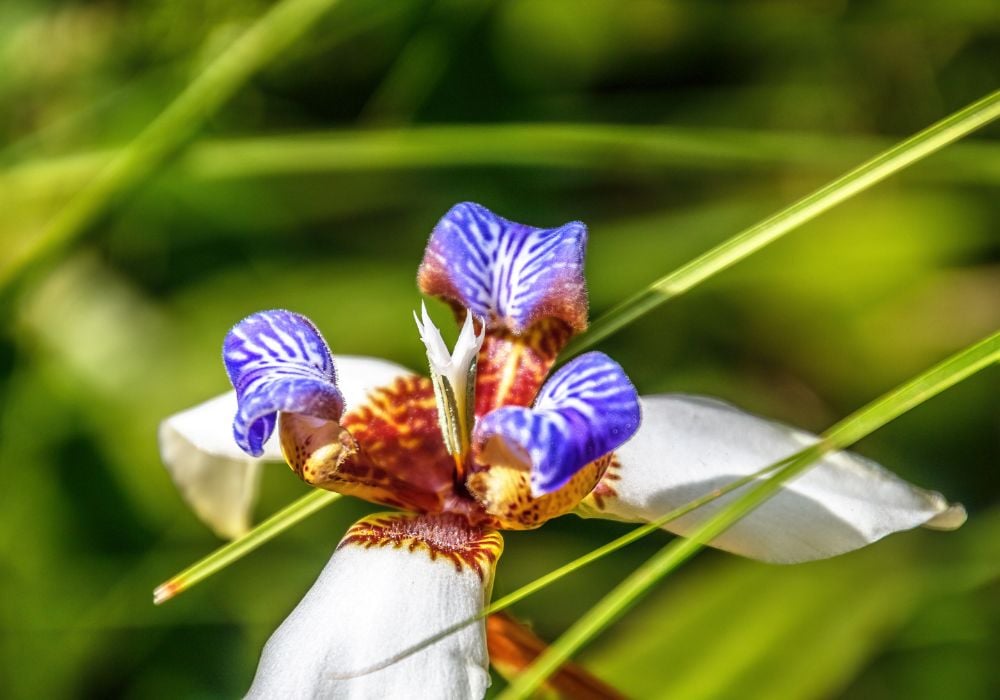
{"x": 367, "y": 605}
{"x": 216, "y": 478}
{"x": 687, "y": 446}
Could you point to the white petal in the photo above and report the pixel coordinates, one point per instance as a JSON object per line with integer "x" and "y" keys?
{"x": 220, "y": 481}
{"x": 216, "y": 478}
{"x": 688, "y": 446}
{"x": 374, "y": 600}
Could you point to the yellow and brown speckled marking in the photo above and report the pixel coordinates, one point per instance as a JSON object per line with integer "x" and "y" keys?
{"x": 505, "y": 493}
{"x": 446, "y": 536}
{"x": 605, "y": 489}
{"x": 314, "y": 448}
{"x": 512, "y": 367}
{"x": 389, "y": 450}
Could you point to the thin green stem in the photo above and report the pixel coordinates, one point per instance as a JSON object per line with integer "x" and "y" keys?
{"x": 774, "y": 227}
{"x": 272, "y": 33}
{"x": 267, "y": 530}
{"x": 861, "y": 423}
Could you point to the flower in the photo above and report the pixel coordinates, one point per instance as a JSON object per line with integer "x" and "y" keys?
{"x": 489, "y": 442}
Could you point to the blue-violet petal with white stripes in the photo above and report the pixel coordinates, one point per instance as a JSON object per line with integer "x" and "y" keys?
{"x": 278, "y": 361}
{"x": 584, "y": 411}
{"x": 508, "y": 273}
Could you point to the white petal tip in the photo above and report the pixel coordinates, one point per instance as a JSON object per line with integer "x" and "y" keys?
{"x": 951, "y": 518}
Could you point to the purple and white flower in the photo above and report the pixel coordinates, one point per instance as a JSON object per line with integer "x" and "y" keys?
{"x": 489, "y": 442}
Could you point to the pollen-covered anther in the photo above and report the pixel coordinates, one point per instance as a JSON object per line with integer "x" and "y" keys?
{"x": 314, "y": 448}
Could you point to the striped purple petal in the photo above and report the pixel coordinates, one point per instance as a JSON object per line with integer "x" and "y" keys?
{"x": 508, "y": 273}
{"x": 585, "y": 410}
{"x": 278, "y": 361}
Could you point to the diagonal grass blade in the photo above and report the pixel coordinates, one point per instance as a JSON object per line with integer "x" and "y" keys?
{"x": 290, "y": 515}
{"x": 272, "y": 33}
{"x": 749, "y": 241}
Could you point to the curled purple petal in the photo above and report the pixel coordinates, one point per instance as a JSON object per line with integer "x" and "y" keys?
{"x": 508, "y": 273}
{"x": 278, "y": 361}
{"x": 584, "y": 411}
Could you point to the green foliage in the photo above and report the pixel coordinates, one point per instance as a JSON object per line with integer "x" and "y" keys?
{"x": 808, "y": 631}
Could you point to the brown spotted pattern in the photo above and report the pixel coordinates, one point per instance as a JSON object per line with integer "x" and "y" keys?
{"x": 313, "y": 447}
{"x": 605, "y": 489}
{"x": 397, "y": 454}
{"x": 447, "y": 536}
{"x": 390, "y": 450}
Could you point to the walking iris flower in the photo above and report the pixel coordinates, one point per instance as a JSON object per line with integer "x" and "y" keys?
{"x": 489, "y": 442}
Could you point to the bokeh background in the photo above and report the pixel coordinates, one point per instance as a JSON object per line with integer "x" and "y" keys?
{"x": 667, "y": 126}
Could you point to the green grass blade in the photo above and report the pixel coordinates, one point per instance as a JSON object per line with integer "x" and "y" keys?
{"x": 751, "y": 240}
{"x": 562, "y": 145}
{"x": 861, "y": 423}
{"x": 290, "y": 515}
{"x": 812, "y": 630}
{"x": 272, "y": 33}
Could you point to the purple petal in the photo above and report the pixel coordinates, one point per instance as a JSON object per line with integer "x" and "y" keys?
{"x": 585, "y": 410}
{"x": 509, "y": 273}
{"x": 278, "y": 361}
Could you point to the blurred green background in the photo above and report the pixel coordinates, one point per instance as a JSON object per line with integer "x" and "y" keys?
{"x": 666, "y": 126}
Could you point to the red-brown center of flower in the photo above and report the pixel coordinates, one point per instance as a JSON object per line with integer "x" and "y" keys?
{"x": 396, "y": 455}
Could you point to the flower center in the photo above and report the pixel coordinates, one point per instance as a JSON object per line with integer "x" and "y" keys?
{"x": 418, "y": 444}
